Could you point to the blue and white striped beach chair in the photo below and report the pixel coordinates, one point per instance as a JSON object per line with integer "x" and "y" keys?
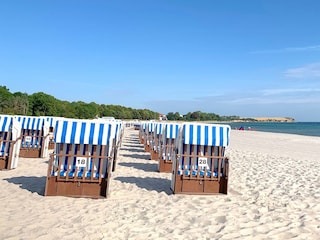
{"x": 200, "y": 165}
{"x": 82, "y": 161}
{"x": 170, "y": 134}
{"x": 10, "y": 132}
{"x": 117, "y": 141}
{"x": 149, "y": 135}
{"x": 34, "y": 137}
{"x": 157, "y": 134}
{"x": 142, "y": 132}
{"x": 51, "y": 122}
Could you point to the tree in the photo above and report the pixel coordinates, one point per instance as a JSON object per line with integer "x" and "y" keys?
{"x": 42, "y": 104}
{"x": 20, "y": 103}
{"x": 5, "y": 100}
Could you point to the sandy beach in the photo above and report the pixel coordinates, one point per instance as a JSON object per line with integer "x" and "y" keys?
{"x": 274, "y": 193}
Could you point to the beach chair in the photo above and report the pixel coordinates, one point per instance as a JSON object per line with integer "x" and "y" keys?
{"x": 167, "y": 147}
{"x": 136, "y": 126}
{"x": 34, "y": 137}
{"x": 51, "y": 121}
{"x": 10, "y": 141}
{"x": 200, "y": 165}
{"x": 155, "y": 147}
{"x": 149, "y": 135}
{"x": 142, "y": 132}
{"x": 82, "y": 160}
{"x": 117, "y": 142}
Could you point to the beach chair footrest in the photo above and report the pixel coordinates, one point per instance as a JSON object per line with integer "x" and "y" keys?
{"x": 3, "y": 162}
{"x": 165, "y": 166}
{"x": 55, "y": 187}
{"x": 154, "y": 155}
{"x": 30, "y": 152}
{"x": 192, "y": 185}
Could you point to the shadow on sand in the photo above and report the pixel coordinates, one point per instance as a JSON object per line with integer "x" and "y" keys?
{"x": 139, "y": 156}
{"x": 133, "y": 145}
{"x": 149, "y": 183}
{"x": 32, "y": 184}
{"x": 148, "y": 167}
{"x": 133, "y": 149}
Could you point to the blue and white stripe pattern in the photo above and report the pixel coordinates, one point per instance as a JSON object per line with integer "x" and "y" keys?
{"x": 51, "y": 121}
{"x": 10, "y": 131}
{"x": 31, "y": 123}
{"x": 151, "y": 127}
{"x": 5, "y": 123}
{"x": 171, "y": 130}
{"x": 206, "y": 134}
{"x": 84, "y": 132}
{"x": 159, "y": 128}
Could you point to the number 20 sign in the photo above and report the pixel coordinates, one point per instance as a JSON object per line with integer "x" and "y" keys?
{"x": 81, "y": 162}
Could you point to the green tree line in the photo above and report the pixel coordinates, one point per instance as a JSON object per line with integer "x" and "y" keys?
{"x": 200, "y": 116}
{"x": 42, "y": 104}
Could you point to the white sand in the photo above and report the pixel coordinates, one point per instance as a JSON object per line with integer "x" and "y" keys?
{"x": 274, "y": 193}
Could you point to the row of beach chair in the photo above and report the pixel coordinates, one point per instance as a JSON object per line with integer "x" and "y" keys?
{"x": 23, "y": 136}
{"x": 84, "y": 152}
{"x": 194, "y": 153}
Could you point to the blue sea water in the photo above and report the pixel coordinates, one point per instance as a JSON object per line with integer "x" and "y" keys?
{"x": 301, "y": 128}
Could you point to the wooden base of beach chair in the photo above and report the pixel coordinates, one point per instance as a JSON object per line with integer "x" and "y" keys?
{"x": 154, "y": 155}
{"x": 165, "y": 166}
{"x": 115, "y": 158}
{"x": 30, "y": 152}
{"x": 185, "y": 185}
{"x": 147, "y": 148}
{"x": 3, "y": 163}
{"x": 51, "y": 145}
{"x": 76, "y": 189}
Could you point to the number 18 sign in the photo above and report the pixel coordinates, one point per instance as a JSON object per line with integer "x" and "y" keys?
{"x": 81, "y": 162}
{"x": 28, "y": 139}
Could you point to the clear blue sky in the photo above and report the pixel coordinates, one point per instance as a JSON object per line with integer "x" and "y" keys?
{"x": 246, "y": 58}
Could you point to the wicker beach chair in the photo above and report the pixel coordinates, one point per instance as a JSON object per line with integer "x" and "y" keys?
{"x": 157, "y": 134}
{"x": 82, "y": 160}
{"x": 10, "y": 141}
{"x": 149, "y": 136}
{"x": 200, "y": 165}
{"x": 34, "y": 137}
{"x": 117, "y": 141}
{"x": 167, "y": 147}
{"x": 142, "y": 132}
{"x": 51, "y": 121}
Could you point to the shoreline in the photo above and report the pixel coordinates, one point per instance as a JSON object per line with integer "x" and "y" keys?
{"x": 274, "y": 193}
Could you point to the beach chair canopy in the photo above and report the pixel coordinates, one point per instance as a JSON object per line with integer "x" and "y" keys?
{"x": 171, "y": 130}
{"x": 159, "y": 128}
{"x": 52, "y": 121}
{"x": 151, "y": 127}
{"x": 206, "y": 134}
{"x": 5, "y": 123}
{"x": 84, "y": 132}
{"x": 32, "y": 123}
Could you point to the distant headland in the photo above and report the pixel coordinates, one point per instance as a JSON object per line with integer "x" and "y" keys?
{"x": 266, "y": 119}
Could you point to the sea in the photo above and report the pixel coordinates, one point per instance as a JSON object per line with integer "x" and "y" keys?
{"x": 301, "y": 128}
